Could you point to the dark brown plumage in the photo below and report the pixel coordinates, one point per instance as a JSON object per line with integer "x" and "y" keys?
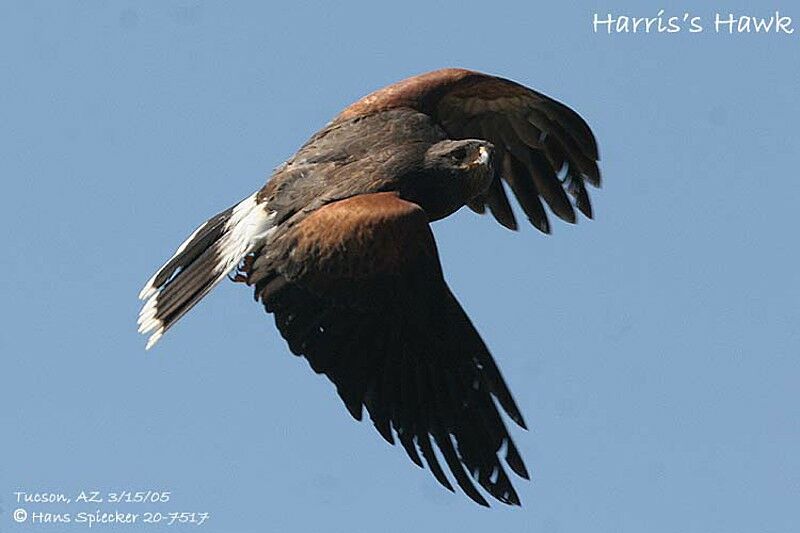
{"x": 337, "y": 245}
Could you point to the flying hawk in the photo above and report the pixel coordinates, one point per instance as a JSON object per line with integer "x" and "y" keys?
{"x": 338, "y": 247}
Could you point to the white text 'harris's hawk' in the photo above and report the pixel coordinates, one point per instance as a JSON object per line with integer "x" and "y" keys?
{"x": 338, "y": 247}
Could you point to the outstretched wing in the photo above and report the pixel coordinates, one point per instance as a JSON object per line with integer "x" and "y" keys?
{"x": 547, "y": 151}
{"x": 357, "y": 288}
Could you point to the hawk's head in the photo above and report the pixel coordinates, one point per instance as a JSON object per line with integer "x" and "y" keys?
{"x": 467, "y": 165}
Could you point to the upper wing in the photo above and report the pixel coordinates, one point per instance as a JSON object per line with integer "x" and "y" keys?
{"x": 357, "y": 288}
{"x": 546, "y": 150}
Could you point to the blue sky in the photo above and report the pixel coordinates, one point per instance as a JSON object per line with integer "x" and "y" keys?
{"x": 653, "y": 351}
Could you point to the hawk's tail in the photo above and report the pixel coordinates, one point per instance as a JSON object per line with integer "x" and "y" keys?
{"x": 200, "y": 263}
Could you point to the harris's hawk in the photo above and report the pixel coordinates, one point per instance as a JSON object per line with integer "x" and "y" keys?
{"x": 338, "y": 247}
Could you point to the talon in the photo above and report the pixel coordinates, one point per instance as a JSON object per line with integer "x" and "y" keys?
{"x": 243, "y": 270}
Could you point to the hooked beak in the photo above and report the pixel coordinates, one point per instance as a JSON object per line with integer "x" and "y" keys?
{"x": 481, "y": 159}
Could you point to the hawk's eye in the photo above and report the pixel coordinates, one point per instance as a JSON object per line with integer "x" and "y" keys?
{"x": 459, "y": 154}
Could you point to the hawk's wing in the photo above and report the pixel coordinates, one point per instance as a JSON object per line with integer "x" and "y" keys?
{"x": 546, "y": 150}
{"x": 357, "y": 288}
